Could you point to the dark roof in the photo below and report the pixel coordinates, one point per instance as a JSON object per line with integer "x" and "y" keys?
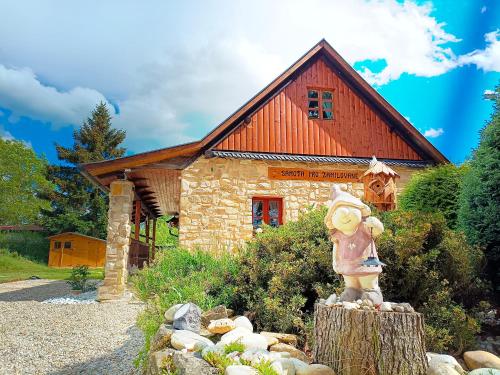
{"x": 312, "y": 158}
{"x": 76, "y": 234}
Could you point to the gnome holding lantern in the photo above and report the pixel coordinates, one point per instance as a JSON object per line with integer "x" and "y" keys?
{"x": 354, "y": 255}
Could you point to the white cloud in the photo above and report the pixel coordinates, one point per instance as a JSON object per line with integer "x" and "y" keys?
{"x": 23, "y": 94}
{"x": 487, "y": 59}
{"x": 160, "y": 62}
{"x": 488, "y": 92}
{"x": 4, "y": 134}
{"x": 433, "y": 133}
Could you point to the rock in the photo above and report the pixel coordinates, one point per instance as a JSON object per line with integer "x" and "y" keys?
{"x": 285, "y": 365}
{"x": 299, "y": 365}
{"x": 219, "y": 312}
{"x": 485, "y": 371}
{"x": 188, "y": 317}
{"x": 240, "y": 370}
{"x": 294, "y": 352}
{"x": 184, "y": 339}
{"x": 161, "y": 339}
{"x": 271, "y": 340}
{"x": 206, "y": 333}
{"x": 212, "y": 349}
{"x": 187, "y": 364}
{"x": 350, "y": 305}
{"x": 315, "y": 369}
{"x": 331, "y": 300}
{"x": 385, "y": 306}
{"x": 407, "y": 307}
{"x": 254, "y": 341}
{"x": 221, "y": 326}
{"x": 160, "y": 361}
{"x": 234, "y": 335}
{"x": 169, "y": 314}
{"x": 399, "y": 308}
{"x": 367, "y": 302}
{"x": 481, "y": 359}
{"x": 445, "y": 359}
{"x": 282, "y": 337}
{"x": 244, "y": 322}
{"x": 256, "y": 356}
{"x": 440, "y": 368}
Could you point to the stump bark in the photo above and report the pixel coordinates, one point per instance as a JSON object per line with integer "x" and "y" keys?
{"x": 367, "y": 342}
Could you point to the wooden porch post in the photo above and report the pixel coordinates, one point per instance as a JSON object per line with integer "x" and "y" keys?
{"x": 147, "y": 228}
{"x": 137, "y": 219}
{"x": 153, "y": 244}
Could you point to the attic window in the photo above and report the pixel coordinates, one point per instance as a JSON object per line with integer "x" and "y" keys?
{"x": 320, "y": 104}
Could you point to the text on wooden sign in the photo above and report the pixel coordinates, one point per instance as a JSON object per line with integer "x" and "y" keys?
{"x": 275, "y": 173}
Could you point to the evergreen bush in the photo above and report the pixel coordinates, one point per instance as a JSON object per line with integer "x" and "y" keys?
{"x": 434, "y": 189}
{"x": 479, "y": 212}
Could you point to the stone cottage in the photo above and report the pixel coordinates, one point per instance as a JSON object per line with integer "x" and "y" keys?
{"x": 319, "y": 122}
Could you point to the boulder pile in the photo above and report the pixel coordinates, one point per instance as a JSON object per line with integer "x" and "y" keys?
{"x": 217, "y": 342}
{"x": 213, "y": 342}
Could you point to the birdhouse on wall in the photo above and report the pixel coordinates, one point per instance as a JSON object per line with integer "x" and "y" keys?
{"x": 380, "y": 185}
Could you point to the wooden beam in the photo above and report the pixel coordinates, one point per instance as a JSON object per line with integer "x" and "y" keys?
{"x": 153, "y": 243}
{"x": 137, "y": 219}
{"x": 147, "y": 229}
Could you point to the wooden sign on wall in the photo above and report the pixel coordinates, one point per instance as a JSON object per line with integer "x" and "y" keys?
{"x": 329, "y": 175}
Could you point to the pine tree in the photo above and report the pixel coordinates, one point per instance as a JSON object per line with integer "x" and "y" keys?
{"x": 479, "y": 212}
{"x": 77, "y": 205}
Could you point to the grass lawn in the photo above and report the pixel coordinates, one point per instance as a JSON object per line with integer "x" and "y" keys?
{"x": 14, "y": 267}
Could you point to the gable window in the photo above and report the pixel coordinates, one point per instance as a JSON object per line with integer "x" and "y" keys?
{"x": 268, "y": 211}
{"x": 57, "y": 245}
{"x": 67, "y": 245}
{"x": 320, "y": 104}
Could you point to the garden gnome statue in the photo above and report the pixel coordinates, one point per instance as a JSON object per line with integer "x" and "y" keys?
{"x": 354, "y": 255}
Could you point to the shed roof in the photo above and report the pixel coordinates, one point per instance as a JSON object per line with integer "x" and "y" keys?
{"x": 75, "y": 234}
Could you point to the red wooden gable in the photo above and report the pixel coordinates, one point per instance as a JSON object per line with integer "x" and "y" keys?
{"x": 281, "y": 124}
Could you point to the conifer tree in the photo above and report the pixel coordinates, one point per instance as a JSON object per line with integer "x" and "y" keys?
{"x": 479, "y": 212}
{"x": 77, "y": 205}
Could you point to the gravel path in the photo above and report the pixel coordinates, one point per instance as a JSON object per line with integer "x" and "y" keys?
{"x": 40, "y": 338}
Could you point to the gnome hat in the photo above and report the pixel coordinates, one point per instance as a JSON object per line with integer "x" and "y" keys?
{"x": 343, "y": 198}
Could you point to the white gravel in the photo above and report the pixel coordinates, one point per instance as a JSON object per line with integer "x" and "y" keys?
{"x": 51, "y": 338}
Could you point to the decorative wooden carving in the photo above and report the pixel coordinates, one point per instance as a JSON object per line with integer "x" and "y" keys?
{"x": 380, "y": 185}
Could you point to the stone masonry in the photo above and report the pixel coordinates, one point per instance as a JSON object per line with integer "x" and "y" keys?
{"x": 216, "y": 198}
{"x": 121, "y": 197}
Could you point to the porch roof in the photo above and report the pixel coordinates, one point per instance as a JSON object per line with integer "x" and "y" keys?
{"x": 155, "y": 174}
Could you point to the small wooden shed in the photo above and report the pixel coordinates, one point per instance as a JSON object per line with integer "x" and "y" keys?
{"x": 71, "y": 249}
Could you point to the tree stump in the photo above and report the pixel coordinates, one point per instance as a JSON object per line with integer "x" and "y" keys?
{"x": 368, "y": 342}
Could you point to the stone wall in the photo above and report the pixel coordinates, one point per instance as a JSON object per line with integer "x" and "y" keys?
{"x": 216, "y": 198}
{"x": 121, "y": 197}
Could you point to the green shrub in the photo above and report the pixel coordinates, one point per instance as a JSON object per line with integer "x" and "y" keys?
{"x": 479, "y": 212}
{"x": 283, "y": 272}
{"x": 31, "y": 245}
{"x": 434, "y": 189}
{"x": 421, "y": 252}
{"x": 180, "y": 276}
{"x": 79, "y": 279}
{"x": 285, "y": 269}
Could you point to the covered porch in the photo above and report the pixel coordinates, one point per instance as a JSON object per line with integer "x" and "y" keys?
{"x": 141, "y": 189}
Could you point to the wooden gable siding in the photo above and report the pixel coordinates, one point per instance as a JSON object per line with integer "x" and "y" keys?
{"x": 281, "y": 125}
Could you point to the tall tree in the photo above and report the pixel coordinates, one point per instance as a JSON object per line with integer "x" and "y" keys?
{"x": 479, "y": 212}
{"x": 23, "y": 183}
{"x": 77, "y": 205}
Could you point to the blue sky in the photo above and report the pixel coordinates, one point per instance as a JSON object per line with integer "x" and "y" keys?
{"x": 171, "y": 72}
